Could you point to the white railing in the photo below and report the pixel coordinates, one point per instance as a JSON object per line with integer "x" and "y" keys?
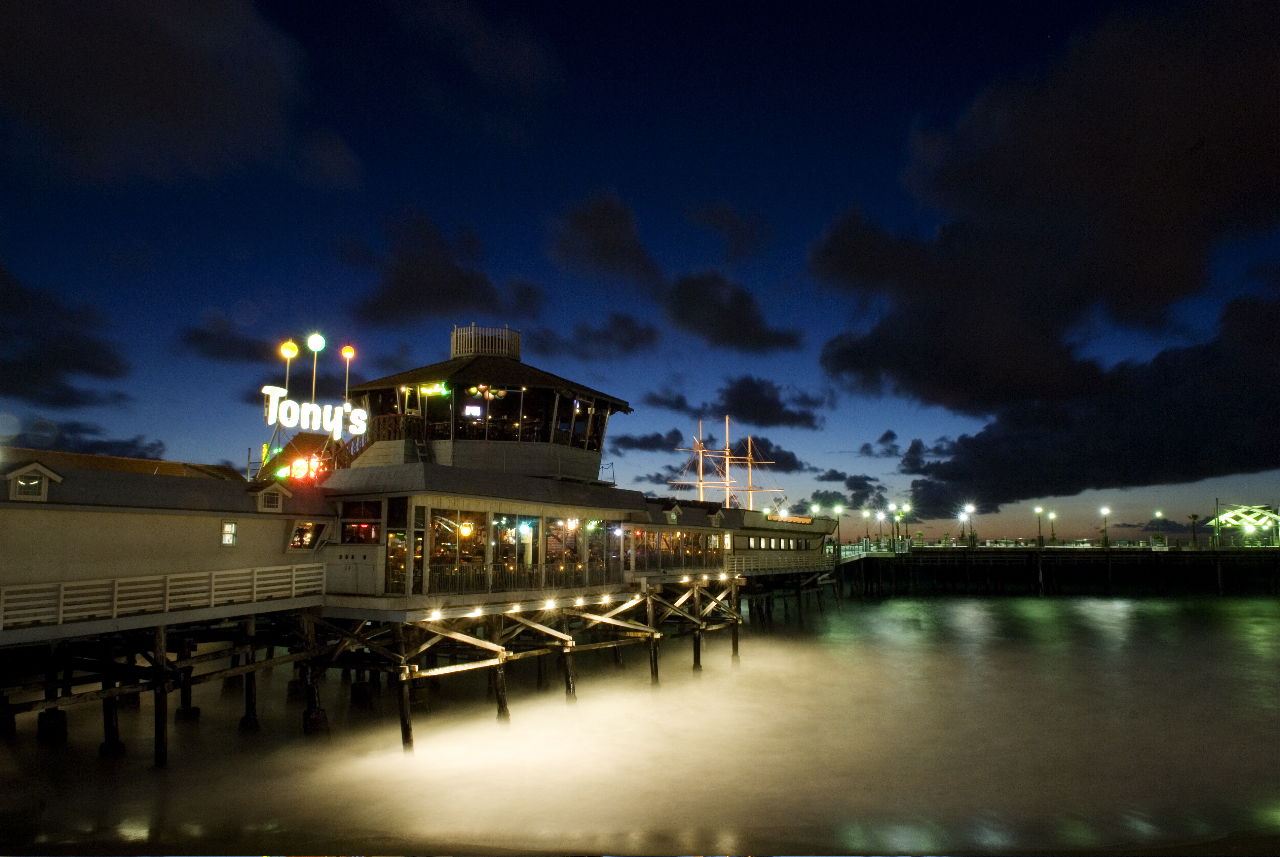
{"x": 78, "y": 600}
{"x": 761, "y": 562}
{"x": 495, "y": 341}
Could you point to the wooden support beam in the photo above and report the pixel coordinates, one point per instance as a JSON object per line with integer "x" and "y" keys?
{"x": 653, "y": 640}
{"x": 403, "y": 676}
{"x": 460, "y": 637}
{"x": 249, "y": 722}
{"x": 363, "y": 639}
{"x": 675, "y": 609}
{"x": 621, "y": 623}
{"x": 542, "y": 629}
{"x": 454, "y": 668}
{"x": 413, "y": 653}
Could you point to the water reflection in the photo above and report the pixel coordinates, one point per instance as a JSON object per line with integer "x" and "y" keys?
{"x": 909, "y": 726}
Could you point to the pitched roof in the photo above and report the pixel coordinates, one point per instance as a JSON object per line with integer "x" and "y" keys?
{"x": 484, "y": 369}
{"x": 10, "y": 455}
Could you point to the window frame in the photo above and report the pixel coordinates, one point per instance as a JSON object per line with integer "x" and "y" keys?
{"x": 233, "y": 532}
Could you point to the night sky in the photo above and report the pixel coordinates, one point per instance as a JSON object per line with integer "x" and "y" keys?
{"x": 1009, "y": 254}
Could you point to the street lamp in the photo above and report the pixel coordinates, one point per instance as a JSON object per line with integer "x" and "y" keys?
{"x": 879, "y": 526}
{"x": 316, "y": 343}
{"x": 866, "y": 519}
{"x": 971, "y": 511}
{"x": 1039, "y": 527}
{"x": 288, "y": 351}
{"x": 1105, "y": 511}
{"x": 1053, "y": 536}
{"x": 347, "y": 353}
{"x": 964, "y": 516}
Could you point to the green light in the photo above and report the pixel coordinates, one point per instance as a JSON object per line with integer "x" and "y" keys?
{"x": 315, "y": 342}
{"x": 283, "y": 471}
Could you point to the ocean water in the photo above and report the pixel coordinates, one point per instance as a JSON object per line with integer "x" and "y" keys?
{"x": 908, "y": 726}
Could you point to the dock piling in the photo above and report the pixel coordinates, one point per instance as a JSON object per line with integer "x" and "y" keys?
{"x": 161, "y": 697}
{"x": 249, "y": 722}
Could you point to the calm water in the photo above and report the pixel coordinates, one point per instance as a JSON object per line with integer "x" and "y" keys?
{"x": 910, "y": 726}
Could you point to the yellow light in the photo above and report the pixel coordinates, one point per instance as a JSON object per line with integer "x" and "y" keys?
{"x": 549, "y": 605}
{"x": 572, "y": 523}
{"x": 476, "y": 612}
{"x": 705, "y": 577}
{"x": 289, "y": 350}
{"x": 348, "y": 352}
{"x": 515, "y": 608}
{"x": 466, "y": 529}
{"x": 315, "y": 342}
{"x": 577, "y": 602}
{"x": 435, "y": 615}
{"x": 684, "y": 579}
{"x": 1040, "y": 509}
{"x": 724, "y": 576}
{"x": 604, "y": 599}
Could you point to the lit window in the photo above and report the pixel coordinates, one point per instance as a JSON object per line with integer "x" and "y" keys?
{"x": 306, "y": 535}
{"x": 228, "y": 534}
{"x": 30, "y": 485}
{"x": 751, "y": 542}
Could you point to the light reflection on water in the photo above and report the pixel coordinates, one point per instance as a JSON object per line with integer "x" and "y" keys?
{"x": 905, "y": 727}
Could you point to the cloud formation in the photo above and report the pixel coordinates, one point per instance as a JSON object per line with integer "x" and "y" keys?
{"x": 621, "y": 335}
{"x": 45, "y": 344}
{"x": 218, "y": 340}
{"x": 83, "y": 437}
{"x": 743, "y": 235}
{"x": 832, "y": 475}
{"x": 1191, "y": 413}
{"x": 159, "y": 90}
{"x": 885, "y": 447}
{"x": 865, "y": 492}
{"x": 599, "y": 237}
{"x": 653, "y": 442}
{"x": 764, "y": 450}
{"x": 427, "y": 275}
{"x": 1103, "y": 184}
{"x": 747, "y": 399}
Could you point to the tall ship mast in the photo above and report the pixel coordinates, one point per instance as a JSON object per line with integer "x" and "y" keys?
{"x": 722, "y": 462}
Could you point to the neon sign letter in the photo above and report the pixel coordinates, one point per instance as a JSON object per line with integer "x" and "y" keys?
{"x": 313, "y": 417}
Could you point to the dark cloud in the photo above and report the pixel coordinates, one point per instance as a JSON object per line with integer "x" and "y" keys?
{"x": 743, "y": 234}
{"x": 832, "y": 475}
{"x": 885, "y": 447}
{"x": 654, "y": 442}
{"x": 747, "y": 399}
{"x": 329, "y": 386}
{"x": 84, "y": 437}
{"x": 428, "y": 275}
{"x": 1191, "y": 413}
{"x": 599, "y": 237}
{"x": 764, "y": 450}
{"x": 158, "y": 89}
{"x": 711, "y": 307}
{"x": 664, "y": 476}
{"x": 473, "y": 71}
{"x": 620, "y": 336}
{"x": 395, "y": 361}
{"x": 1103, "y": 184}
{"x": 865, "y": 492}
{"x": 217, "y": 340}
{"x": 827, "y": 500}
{"x": 45, "y": 344}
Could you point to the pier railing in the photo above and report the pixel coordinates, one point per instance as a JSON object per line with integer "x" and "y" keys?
{"x": 477, "y": 578}
{"x": 79, "y": 600}
{"x": 765, "y": 562}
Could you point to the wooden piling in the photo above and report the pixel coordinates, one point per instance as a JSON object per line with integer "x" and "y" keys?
{"x": 500, "y": 688}
{"x": 402, "y": 692}
{"x": 697, "y": 630}
{"x": 161, "y": 697}
{"x": 111, "y": 747}
{"x": 653, "y": 639}
{"x": 249, "y": 722}
{"x": 51, "y": 723}
{"x": 315, "y": 721}
{"x": 566, "y": 663}
{"x": 186, "y": 713}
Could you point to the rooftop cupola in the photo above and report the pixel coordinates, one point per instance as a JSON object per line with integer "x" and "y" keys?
{"x": 484, "y": 342}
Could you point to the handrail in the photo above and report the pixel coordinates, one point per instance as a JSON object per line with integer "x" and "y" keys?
{"x": 758, "y": 562}
{"x": 69, "y": 601}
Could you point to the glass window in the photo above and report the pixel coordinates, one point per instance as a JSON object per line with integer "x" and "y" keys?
{"x": 306, "y": 534}
{"x": 271, "y": 500}
{"x": 751, "y": 542}
{"x": 397, "y": 553}
{"x": 30, "y": 485}
{"x": 397, "y": 513}
{"x": 228, "y": 534}
{"x": 363, "y": 533}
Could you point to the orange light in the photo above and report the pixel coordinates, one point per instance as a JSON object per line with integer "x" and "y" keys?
{"x": 348, "y": 352}
{"x": 299, "y": 469}
{"x": 289, "y": 350}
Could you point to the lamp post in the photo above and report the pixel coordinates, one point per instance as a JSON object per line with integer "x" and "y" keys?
{"x": 1039, "y": 527}
{"x": 906, "y": 509}
{"x": 347, "y": 353}
{"x": 839, "y": 512}
{"x": 288, "y": 351}
{"x": 866, "y": 519}
{"x": 964, "y": 516}
{"x": 971, "y": 511}
{"x": 879, "y": 527}
{"x": 1105, "y": 511}
{"x": 316, "y": 343}
{"x": 1053, "y": 536}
